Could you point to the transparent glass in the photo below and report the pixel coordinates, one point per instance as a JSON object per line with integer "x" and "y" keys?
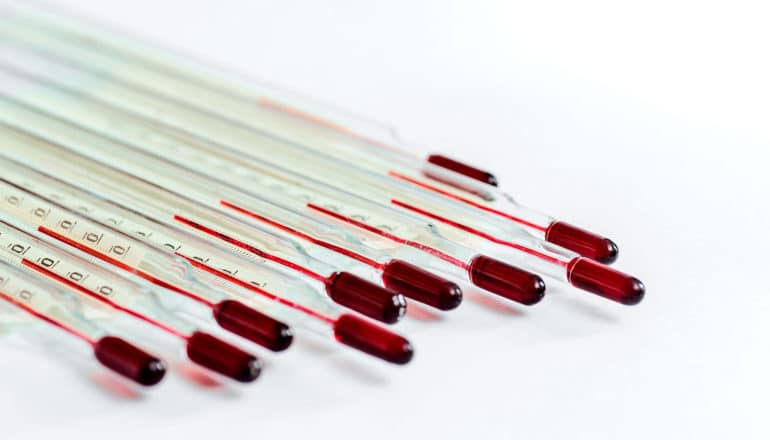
{"x": 305, "y": 122}
{"x": 242, "y": 142}
{"x": 430, "y": 249}
{"x": 119, "y": 252}
{"x": 26, "y": 250}
{"x": 83, "y": 97}
{"x": 318, "y": 316}
{"x": 41, "y": 300}
{"x": 178, "y": 211}
{"x": 47, "y": 303}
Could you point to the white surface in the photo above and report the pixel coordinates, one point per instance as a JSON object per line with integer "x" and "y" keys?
{"x": 646, "y": 122}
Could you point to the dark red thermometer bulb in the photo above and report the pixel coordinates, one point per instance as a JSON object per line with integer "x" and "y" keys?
{"x": 462, "y": 168}
{"x": 253, "y": 325}
{"x": 604, "y": 281}
{"x": 421, "y": 285}
{"x": 227, "y": 360}
{"x": 376, "y": 341}
{"x": 402, "y": 277}
{"x": 129, "y": 361}
{"x": 511, "y": 282}
{"x": 366, "y": 297}
{"x": 585, "y": 243}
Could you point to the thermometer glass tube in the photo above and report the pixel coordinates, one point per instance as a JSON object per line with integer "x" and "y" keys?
{"x": 604, "y": 281}
{"x": 531, "y": 285}
{"x": 128, "y": 255}
{"x": 345, "y": 288}
{"x": 107, "y": 52}
{"x": 96, "y": 283}
{"x": 245, "y": 141}
{"x": 207, "y": 259}
{"x": 439, "y": 174}
{"x": 403, "y": 277}
{"x": 56, "y": 307}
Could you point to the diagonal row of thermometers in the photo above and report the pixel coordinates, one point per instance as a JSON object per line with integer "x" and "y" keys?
{"x": 145, "y": 183}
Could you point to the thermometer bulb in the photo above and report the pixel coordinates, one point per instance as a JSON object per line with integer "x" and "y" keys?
{"x": 253, "y": 325}
{"x": 421, "y": 285}
{"x": 602, "y": 280}
{"x": 129, "y": 361}
{"x": 366, "y": 297}
{"x": 462, "y": 168}
{"x": 513, "y": 283}
{"x": 225, "y": 359}
{"x": 376, "y": 341}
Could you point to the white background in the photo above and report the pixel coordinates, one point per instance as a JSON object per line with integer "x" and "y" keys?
{"x": 647, "y": 121}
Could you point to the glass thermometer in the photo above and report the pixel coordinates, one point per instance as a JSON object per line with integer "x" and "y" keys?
{"x": 212, "y": 265}
{"x": 56, "y": 307}
{"x": 123, "y": 253}
{"x": 75, "y": 274}
{"x": 432, "y": 251}
{"x": 328, "y": 174}
{"x": 439, "y": 174}
{"x": 560, "y": 264}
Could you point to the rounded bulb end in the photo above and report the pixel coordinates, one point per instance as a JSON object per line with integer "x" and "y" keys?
{"x": 210, "y": 352}
{"x": 421, "y": 285}
{"x": 606, "y": 282}
{"x": 371, "y": 339}
{"x": 366, "y": 297}
{"x": 635, "y": 293}
{"x": 610, "y": 254}
{"x": 129, "y": 361}
{"x": 505, "y": 280}
{"x": 253, "y": 325}
{"x": 585, "y": 243}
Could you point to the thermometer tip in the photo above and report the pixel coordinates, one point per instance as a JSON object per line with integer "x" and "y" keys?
{"x": 371, "y": 339}
{"x": 418, "y": 284}
{"x": 462, "y": 168}
{"x": 610, "y": 254}
{"x": 213, "y": 353}
{"x": 505, "y": 280}
{"x": 365, "y": 297}
{"x": 583, "y": 242}
{"x": 606, "y": 282}
{"x": 253, "y": 325}
{"x": 129, "y": 361}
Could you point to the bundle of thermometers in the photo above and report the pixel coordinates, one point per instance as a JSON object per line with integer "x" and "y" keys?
{"x": 136, "y": 182}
